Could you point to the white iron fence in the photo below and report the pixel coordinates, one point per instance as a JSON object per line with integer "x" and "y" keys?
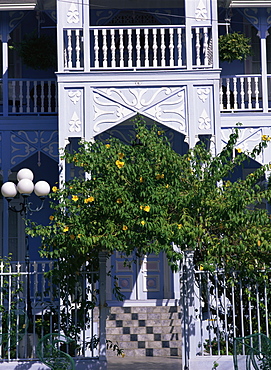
{"x": 218, "y": 307}
{"x": 31, "y": 307}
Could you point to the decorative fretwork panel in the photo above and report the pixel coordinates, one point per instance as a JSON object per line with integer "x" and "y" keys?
{"x": 26, "y": 143}
{"x": 165, "y": 105}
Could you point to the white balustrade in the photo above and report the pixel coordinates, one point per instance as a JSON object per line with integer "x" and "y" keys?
{"x": 73, "y": 50}
{"x": 197, "y": 37}
{"x": 138, "y": 47}
{"x": 121, "y": 48}
{"x": 240, "y": 93}
{"x": 130, "y": 48}
{"x": 27, "y": 96}
{"x": 202, "y": 52}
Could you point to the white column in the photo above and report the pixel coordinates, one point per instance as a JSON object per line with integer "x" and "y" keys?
{"x": 264, "y": 73}
{"x": 187, "y": 318}
{"x": 4, "y": 38}
{"x": 86, "y": 35}
{"x": 189, "y": 18}
{"x": 102, "y": 305}
{"x": 215, "y": 33}
{"x": 60, "y": 43}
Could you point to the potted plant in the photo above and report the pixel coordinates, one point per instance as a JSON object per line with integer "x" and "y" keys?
{"x": 234, "y": 46}
{"x": 37, "y": 51}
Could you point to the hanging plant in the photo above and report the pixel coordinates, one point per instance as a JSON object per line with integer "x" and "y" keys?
{"x": 37, "y": 52}
{"x": 234, "y": 46}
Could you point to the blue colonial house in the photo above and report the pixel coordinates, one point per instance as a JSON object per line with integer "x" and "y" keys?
{"x": 108, "y": 62}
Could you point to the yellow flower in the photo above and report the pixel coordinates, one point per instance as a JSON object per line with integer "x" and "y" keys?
{"x": 159, "y": 132}
{"x": 264, "y": 138}
{"x": 189, "y": 159}
{"x": 121, "y": 155}
{"x": 123, "y": 355}
{"x": 142, "y": 222}
{"x": 119, "y": 164}
{"x": 141, "y": 179}
{"x": 89, "y": 200}
{"x": 141, "y": 207}
{"x": 158, "y": 176}
{"x": 259, "y": 243}
{"x": 75, "y": 198}
{"x": 180, "y": 226}
{"x": 119, "y": 200}
{"x": 54, "y": 189}
{"x": 72, "y": 237}
{"x": 239, "y": 150}
{"x": 201, "y": 268}
{"x": 51, "y": 218}
{"x": 147, "y": 208}
{"x": 124, "y": 227}
{"x": 107, "y": 146}
{"x": 167, "y": 186}
{"x": 66, "y": 228}
{"x": 79, "y": 236}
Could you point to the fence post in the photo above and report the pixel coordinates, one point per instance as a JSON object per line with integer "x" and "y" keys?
{"x": 190, "y": 316}
{"x": 102, "y": 306}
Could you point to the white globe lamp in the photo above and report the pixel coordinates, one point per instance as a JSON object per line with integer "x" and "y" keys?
{"x": 9, "y": 189}
{"x": 42, "y": 189}
{"x": 25, "y": 173}
{"x": 25, "y": 186}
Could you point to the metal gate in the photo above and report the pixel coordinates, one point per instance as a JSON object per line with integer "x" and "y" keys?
{"x": 218, "y": 307}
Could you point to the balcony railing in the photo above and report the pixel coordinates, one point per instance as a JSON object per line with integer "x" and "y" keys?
{"x": 138, "y": 47}
{"x": 243, "y": 93}
{"x": 29, "y": 96}
{"x": 39, "y": 97}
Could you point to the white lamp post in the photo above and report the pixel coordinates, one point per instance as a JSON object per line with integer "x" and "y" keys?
{"x": 26, "y": 187}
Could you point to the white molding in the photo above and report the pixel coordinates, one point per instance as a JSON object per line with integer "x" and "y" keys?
{"x": 15, "y": 7}
{"x": 250, "y": 3}
{"x": 144, "y": 303}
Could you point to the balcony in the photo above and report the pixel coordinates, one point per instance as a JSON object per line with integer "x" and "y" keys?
{"x": 28, "y": 97}
{"x": 241, "y": 93}
{"x": 152, "y": 47}
{"x": 39, "y": 97}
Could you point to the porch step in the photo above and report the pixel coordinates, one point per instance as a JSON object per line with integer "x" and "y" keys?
{"x": 145, "y": 331}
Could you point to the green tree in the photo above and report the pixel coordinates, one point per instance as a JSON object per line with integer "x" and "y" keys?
{"x": 145, "y": 197}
